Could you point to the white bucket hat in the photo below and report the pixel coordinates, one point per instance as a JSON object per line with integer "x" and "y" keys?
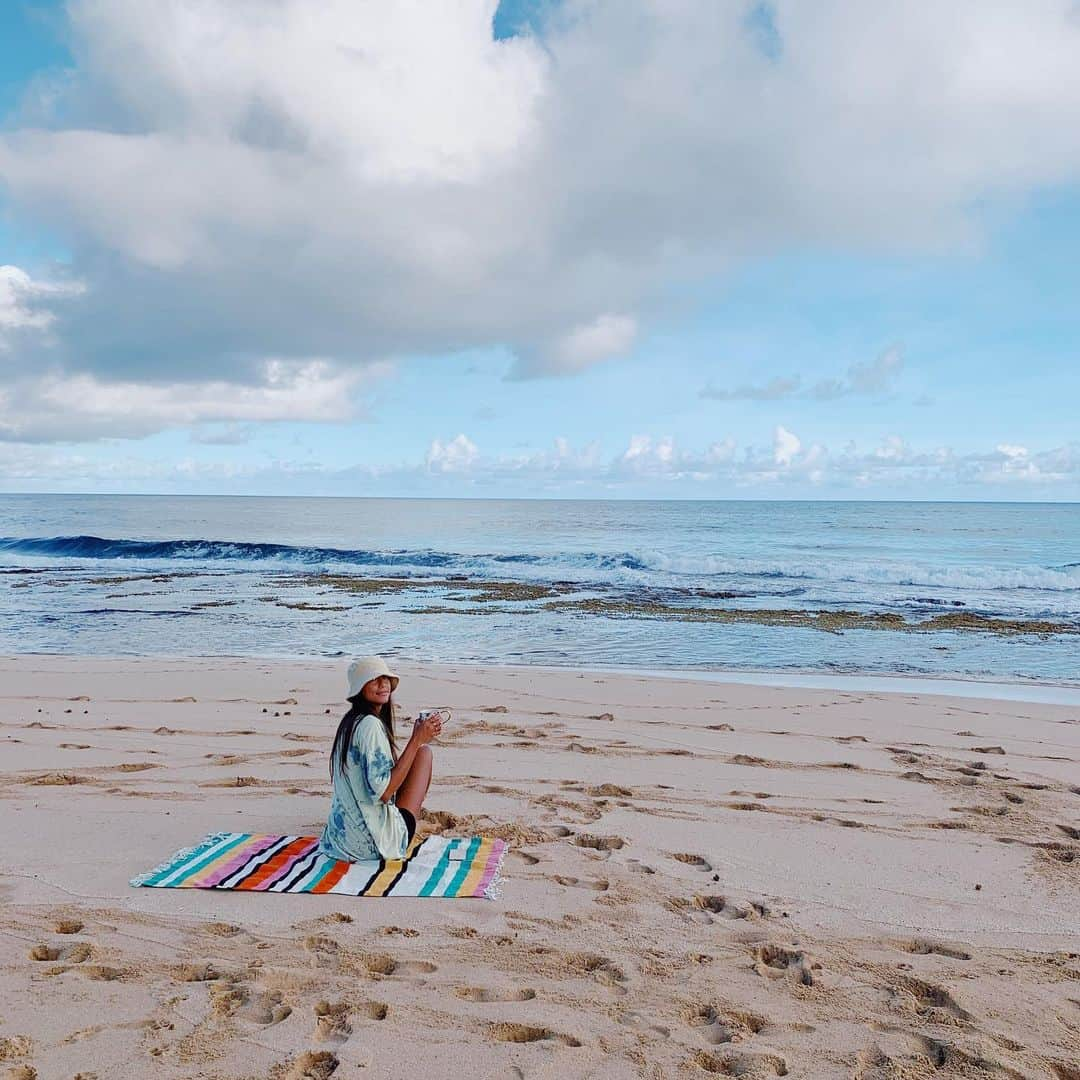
{"x": 362, "y": 671}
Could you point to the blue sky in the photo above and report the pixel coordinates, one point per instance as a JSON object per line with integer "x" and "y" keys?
{"x": 899, "y": 322}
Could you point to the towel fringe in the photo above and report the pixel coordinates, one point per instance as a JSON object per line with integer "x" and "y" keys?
{"x": 181, "y": 856}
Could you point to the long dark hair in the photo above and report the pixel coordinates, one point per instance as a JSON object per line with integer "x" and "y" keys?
{"x": 359, "y": 707}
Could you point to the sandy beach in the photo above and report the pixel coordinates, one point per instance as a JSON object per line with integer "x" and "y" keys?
{"x": 704, "y": 879}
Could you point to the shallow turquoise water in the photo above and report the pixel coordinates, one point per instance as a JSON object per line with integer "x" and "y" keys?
{"x": 1008, "y": 560}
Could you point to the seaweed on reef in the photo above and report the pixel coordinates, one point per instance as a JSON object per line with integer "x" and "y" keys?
{"x": 830, "y": 621}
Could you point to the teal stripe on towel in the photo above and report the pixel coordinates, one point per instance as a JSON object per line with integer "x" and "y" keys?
{"x": 440, "y": 869}
{"x": 466, "y": 866}
{"x": 190, "y": 867}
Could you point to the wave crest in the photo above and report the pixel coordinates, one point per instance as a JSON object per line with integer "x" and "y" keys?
{"x": 641, "y": 567}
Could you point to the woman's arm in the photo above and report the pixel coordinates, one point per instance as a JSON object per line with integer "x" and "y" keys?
{"x": 423, "y": 732}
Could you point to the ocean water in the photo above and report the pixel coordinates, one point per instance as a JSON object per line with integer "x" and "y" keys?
{"x": 609, "y": 583}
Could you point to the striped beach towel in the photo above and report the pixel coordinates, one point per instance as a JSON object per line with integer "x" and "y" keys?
{"x": 433, "y": 866}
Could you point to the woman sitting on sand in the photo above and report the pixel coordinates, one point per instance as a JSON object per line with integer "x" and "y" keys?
{"x": 377, "y": 793}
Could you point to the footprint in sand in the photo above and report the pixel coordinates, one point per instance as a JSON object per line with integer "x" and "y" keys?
{"x": 384, "y": 964}
{"x": 928, "y": 1052}
{"x": 933, "y": 1002}
{"x": 437, "y": 821}
{"x": 922, "y": 947}
{"x": 724, "y": 1026}
{"x": 103, "y": 973}
{"x": 311, "y": 1065}
{"x": 324, "y": 950}
{"x": 598, "y": 884}
{"x": 237, "y": 781}
{"x": 642, "y": 1022}
{"x": 332, "y": 1021}
{"x": 776, "y": 962}
{"x": 731, "y": 909}
{"x": 746, "y": 1065}
{"x": 220, "y": 929}
{"x": 483, "y": 993}
{"x": 600, "y": 843}
{"x": 525, "y": 856}
{"x": 611, "y": 791}
{"x": 380, "y": 963}
{"x": 265, "y": 1009}
{"x": 602, "y": 969}
{"x": 57, "y": 779}
{"x": 875, "y": 1064}
{"x": 201, "y": 971}
{"x": 698, "y": 862}
{"x": 524, "y": 1033}
{"x": 227, "y": 995}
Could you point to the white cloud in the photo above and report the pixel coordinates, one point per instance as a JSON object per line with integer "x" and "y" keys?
{"x": 893, "y": 448}
{"x": 720, "y": 453}
{"x": 1011, "y": 451}
{"x": 876, "y": 377}
{"x": 648, "y": 465}
{"x": 358, "y": 180}
{"x": 222, "y": 434}
{"x": 605, "y": 337}
{"x": 75, "y": 408}
{"x": 873, "y": 379}
{"x": 24, "y": 302}
{"x": 456, "y": 455}
{"x": 785, "y": 446}
{"x": 775, "y": 389}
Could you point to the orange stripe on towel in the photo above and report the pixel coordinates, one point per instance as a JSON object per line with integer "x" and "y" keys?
{"x": 274, "y": 866}
{"x": 331, "y": 877}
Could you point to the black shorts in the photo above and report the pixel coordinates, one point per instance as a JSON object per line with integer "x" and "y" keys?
{"x": 410, "y": 822}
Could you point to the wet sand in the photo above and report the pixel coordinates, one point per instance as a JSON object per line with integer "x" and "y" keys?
{"x": 705, "y": 878}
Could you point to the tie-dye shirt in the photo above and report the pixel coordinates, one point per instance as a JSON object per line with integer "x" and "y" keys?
{"x": 360, "y": 825}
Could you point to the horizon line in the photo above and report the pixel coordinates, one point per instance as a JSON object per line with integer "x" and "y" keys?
{"x": 518, "y": 498}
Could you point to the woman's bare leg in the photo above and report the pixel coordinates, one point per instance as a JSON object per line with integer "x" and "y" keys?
{"x": 411, "y": 794}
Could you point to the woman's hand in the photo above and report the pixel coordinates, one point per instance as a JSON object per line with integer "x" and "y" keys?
{"x": 427, "y": 728}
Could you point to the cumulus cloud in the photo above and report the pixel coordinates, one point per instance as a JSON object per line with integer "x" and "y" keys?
{"x": 869, "y": 379}
{"x": 25, "y": 303}
{"x": 456, "y": 455}
{"x": 83, "y": 407}
{"x": 785, "y": 446}
{"x": 371, "y": 180}
{"x": 649, "y": 465}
